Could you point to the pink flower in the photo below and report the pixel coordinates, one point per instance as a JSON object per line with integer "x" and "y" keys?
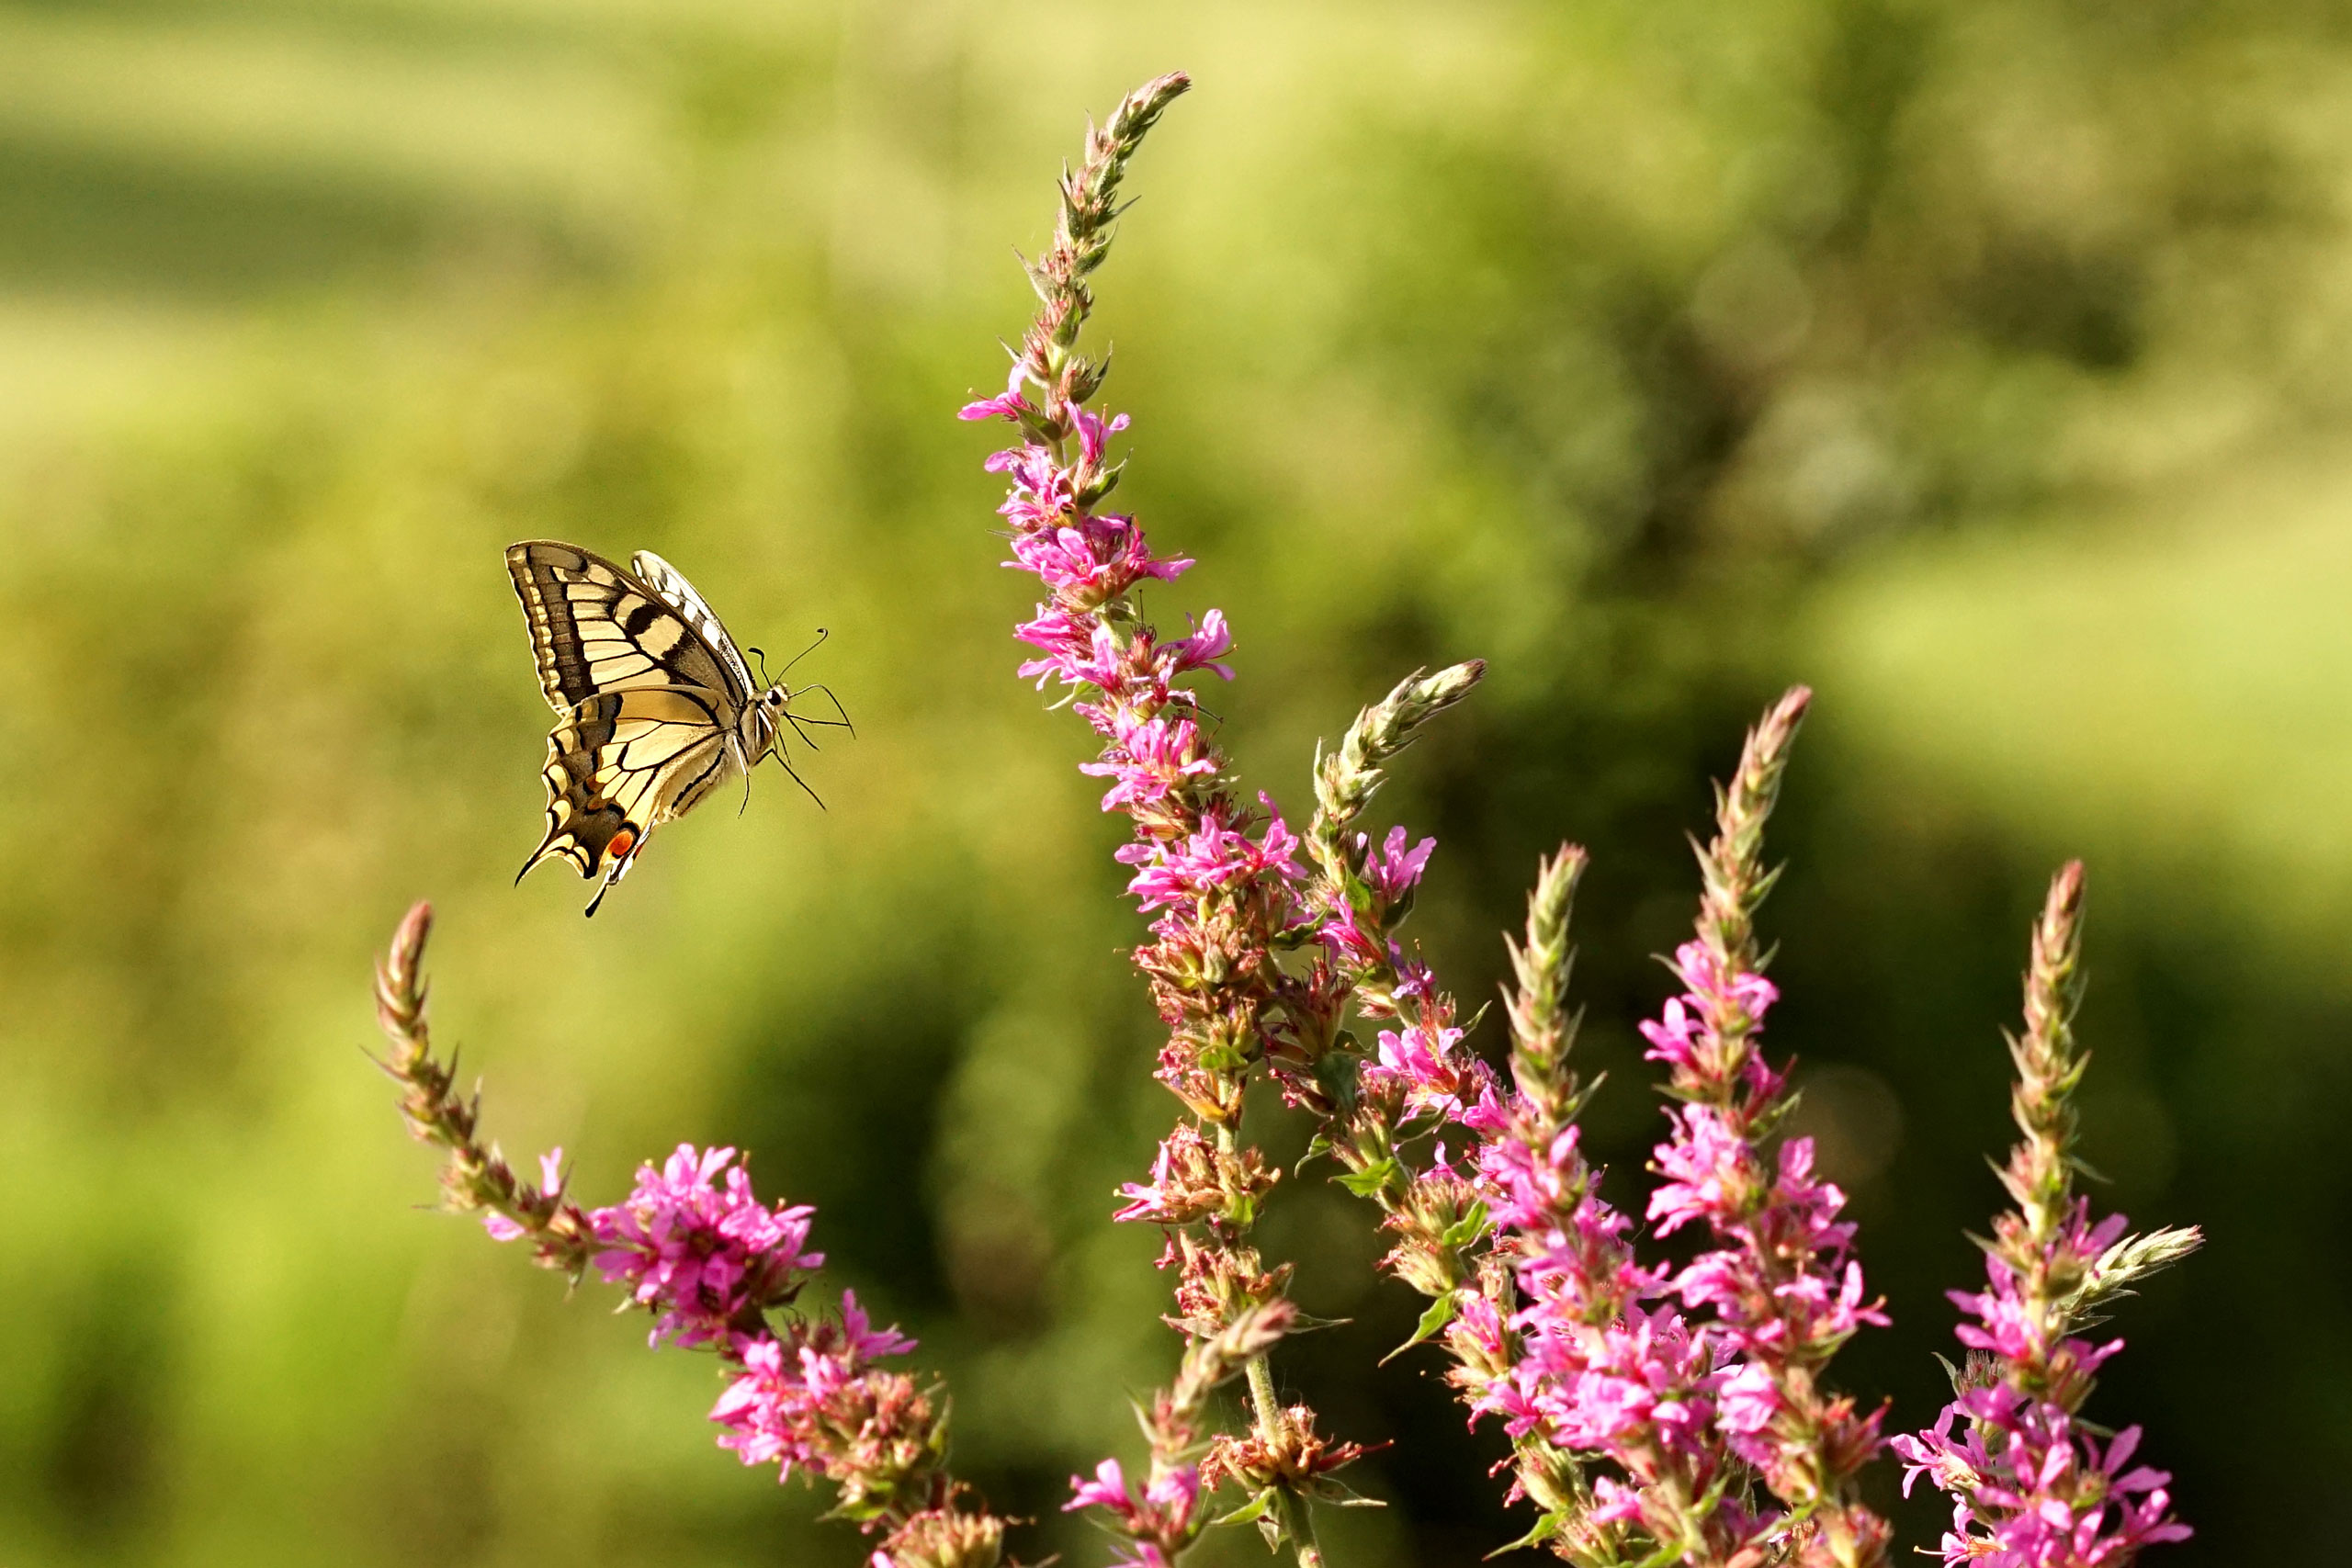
{"x": 1007, "y": 404}
{"x": 1215, "y": 857}
{"x": 699, "y": 1253}
{"x": 2030, "y": 1490}
{"x": 1069, "y": 643}
{"x": 1434, "y": 1074}
{"x": 1037, "y": 483}
{"x": 1708, "y": 1167}
{"x": 794, "y": 1394}
{"x": 1747, "y": 1399}
{"x": 1085, "y": 559}
{"x": 1159, "y": 1524}
{"x": 1723, "y": 990}
{"x": 1613, "y": 1504}
{"x": 1094, "y": 432}
{"x": 1148, "y": 758}
{"x": 1107, "y": 1489}
{"x": 1210, "y": 641}
{"x": 863, "y": 1341}
{"x": 1392, "y": 870}
{"x": 1707, "y": 1033}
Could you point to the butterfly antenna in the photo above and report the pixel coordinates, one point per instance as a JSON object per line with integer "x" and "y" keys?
{"x": 756, "y": 651}
{"x": 821, "y": 634}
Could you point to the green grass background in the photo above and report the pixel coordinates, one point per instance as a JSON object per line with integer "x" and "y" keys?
{"x": 1982, "y": 362}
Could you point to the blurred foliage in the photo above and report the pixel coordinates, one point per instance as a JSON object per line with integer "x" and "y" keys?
{"x": 1980, "y": 362}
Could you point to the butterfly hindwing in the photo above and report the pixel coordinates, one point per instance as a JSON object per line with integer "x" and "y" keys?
{"x": 597, "y": 627}
{"x": 622, "y": 764}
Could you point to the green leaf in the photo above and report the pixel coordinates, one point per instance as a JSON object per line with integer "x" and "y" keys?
{"x": 1545, "y": 1528}
{"x": 1372, "y": 1179}
{"x": 1442, "y": 1312}
{"x": 1249, "y": 1512}
{"x": 1468, "y": 1228}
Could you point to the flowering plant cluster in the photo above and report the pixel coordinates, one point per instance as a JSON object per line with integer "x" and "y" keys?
{"x": 1657, "y": 1414}
{"x": 694, "y": 1246}
{"x": 1699, "y": 1387}
{"x": 2032, "y": 1485}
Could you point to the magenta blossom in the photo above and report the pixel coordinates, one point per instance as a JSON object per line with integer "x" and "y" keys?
{"x": 1090, "y": 560}
{"x": 1216, "y": 857}
{"x": 1148, "y": 758}
{"x": 699, "y": 1251}
{"x": 1428, "y": 1062}
{"x": 1094, "y": 433}
{"x": 1394, "y": 870}
{"x": 1008, "y": 404}
{"x": 1164, "y": 1510}
{"x": 797, "y": 1398}
{"x": 2031, "y": 1490}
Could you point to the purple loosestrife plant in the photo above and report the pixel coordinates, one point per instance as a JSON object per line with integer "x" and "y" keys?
{"x": 1657, "y": 1414}
{"x": 1690, "y": 1411}
{"x": 1220, "y": 875}
{"x": 716, "y": 1268}
{"x": 1781, "y": 1285}
{"x": 1580, "y": 1371}
{"x": 2032, "y": 1485}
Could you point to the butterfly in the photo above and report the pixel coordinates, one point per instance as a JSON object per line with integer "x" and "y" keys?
{"x": 655, "y": 709}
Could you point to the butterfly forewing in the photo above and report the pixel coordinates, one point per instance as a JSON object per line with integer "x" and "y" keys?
{"x": 671, "y": 585}
{"x": 597, "y": 627}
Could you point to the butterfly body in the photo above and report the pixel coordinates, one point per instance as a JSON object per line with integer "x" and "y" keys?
{"x": 655, "y": 708}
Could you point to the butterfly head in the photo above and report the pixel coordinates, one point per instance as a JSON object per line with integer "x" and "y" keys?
{"x": 770, "y": 713}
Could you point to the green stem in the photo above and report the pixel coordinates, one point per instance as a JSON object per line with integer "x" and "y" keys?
{"x": 1261, "y": 1393}
{"x": 1298, "y": 1523}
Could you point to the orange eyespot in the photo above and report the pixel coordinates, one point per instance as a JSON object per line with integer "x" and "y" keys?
{"x": 618, "y": 846}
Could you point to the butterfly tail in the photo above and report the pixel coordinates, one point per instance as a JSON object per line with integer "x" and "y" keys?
{"x": 612, "y": 875}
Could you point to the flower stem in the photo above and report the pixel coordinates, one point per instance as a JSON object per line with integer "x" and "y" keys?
{"x": 1261, "y": 1391}
{"x": 1299, "y": 1525}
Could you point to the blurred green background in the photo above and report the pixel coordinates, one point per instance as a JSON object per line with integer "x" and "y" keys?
{"x": 1984, "y": 364}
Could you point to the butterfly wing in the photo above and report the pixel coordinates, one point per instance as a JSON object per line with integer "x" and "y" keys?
{"x": 671, "y": 585}
{"x": 622, "y": 764}
{"x": 597, "y": 627}
{"x": 650, "y": 695}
